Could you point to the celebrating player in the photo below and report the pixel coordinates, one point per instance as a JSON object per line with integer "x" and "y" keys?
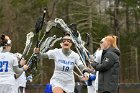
{"x": 65, "y": 60}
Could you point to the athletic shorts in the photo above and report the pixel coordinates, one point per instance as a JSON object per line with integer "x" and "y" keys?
{"x": 5, "y": 88}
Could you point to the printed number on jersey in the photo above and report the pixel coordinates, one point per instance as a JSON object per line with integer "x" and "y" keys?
{"x": 65, "y": 68}
{"x": 3, "y": 66}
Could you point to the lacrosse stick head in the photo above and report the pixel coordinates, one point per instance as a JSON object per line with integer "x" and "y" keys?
{"x": 49, "y": 26}
{"x": 46, "y": 44}
{"x": 40, "y": 21}
{"x": 28, "y": 38}
{"x": 73, "y": 28}
{"x": 38, "y": 25}
{"x": 62, "y": 25}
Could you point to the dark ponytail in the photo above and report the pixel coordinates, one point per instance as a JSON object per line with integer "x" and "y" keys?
{"x": 4, "y": 40}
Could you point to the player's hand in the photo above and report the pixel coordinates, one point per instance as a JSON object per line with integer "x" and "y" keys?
{"x": 36, "y": 50}
{"x": 25, "y": 67}
{"x": 91, "y": 58}
{"x": 90, "y": 70}
{"x": 22, "y": 62}
{"x": 85, "y": 76}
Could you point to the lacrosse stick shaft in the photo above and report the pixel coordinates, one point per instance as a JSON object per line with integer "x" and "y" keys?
{"x": 80, "y": 56}
{"x": 78, "y": 69}
{"x": 76, "y": 74}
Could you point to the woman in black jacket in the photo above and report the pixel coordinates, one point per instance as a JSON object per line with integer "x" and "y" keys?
{"x": 109, "y": 66}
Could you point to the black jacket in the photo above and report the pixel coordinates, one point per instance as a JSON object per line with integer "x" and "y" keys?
{"x": 108, "y": 70}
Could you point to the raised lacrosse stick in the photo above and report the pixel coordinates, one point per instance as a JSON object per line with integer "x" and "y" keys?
{"x": 46, "y": 43}
{"x": 38, "y": 27}
{"x": 76, "y": 40}
{"x": 49, "y": 26}
{"x": 50, "y": 44}
{"x": 29, "y": 38}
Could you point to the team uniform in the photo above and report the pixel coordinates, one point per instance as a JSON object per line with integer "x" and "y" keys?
{"x": 7, "y": 80}
{"x": 94, "y": 87}
{"x": 1, "y": 48}
{"x": 63, "y": 73}
{"x": 21, "y": 82}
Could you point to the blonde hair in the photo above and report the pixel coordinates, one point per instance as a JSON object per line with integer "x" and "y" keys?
{"x": 112, "y": 39}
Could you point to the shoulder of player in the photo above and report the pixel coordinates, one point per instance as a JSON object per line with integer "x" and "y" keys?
{"x": 12, "y": 55}
{"x": 56, "y": 49}
{"x": 75, "y": 54}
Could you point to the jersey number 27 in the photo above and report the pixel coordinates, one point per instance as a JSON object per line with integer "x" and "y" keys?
{"x": 3, "y": 66}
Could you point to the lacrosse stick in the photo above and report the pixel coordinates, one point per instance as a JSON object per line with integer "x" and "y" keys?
{"x": 77, "y": 75}
{"x": 49, "y": 26}
{"x": 38, "y": 27}
{"x": 76, "y": 40}
{"x": 29, "y": 38}
{"x": 45, "y": 46}
{"x": 48, "y": 43}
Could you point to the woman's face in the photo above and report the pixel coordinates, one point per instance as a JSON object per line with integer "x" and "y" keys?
{"x": 105, "y": 44}
{"x": 66, "y": 42}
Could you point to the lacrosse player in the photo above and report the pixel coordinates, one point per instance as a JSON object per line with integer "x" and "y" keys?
{"x": 21, "y": 79}
{"x": 8, "y": 66}
{"x": 65, "y": 60}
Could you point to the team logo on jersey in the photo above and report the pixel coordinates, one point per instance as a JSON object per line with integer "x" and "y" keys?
{"x": 106, "y": 59}
{"x": 66, "y": 62}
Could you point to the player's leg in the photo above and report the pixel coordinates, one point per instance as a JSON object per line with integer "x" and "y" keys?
{"x": 23, "y": 90}
{"x": 58, "y": 90}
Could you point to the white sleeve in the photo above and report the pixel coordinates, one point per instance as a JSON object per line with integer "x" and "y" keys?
{"x": 15, "y": 61}
{"x": 97, "y": 56}
{"x": 78, "y": 60}
{"x": 51, "y": 54}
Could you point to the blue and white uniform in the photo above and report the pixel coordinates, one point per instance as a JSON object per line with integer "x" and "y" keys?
{"x": 97, "y": 58}
{"x": 7, "y": 80}
{"x": 21, "y": 81}
{"x": 63, "y": 73}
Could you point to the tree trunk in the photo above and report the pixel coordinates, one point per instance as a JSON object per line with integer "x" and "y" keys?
{"x": 136, "y": 49}
{"x": 90, "y": 3}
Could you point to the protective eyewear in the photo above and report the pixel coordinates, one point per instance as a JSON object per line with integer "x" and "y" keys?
{"x": 68, "y": 40}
